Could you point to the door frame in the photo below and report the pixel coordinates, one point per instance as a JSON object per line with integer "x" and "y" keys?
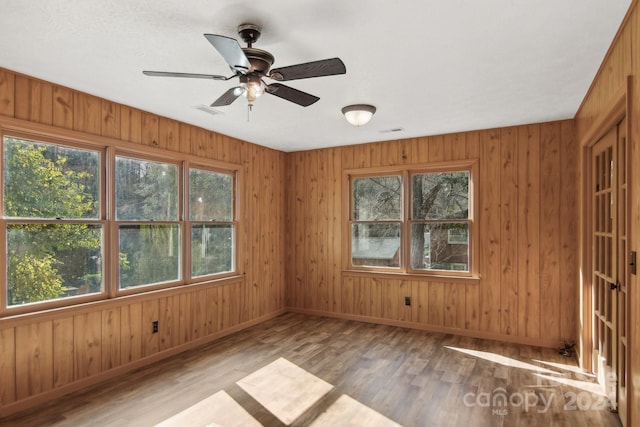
{"x": 612, "y": 115}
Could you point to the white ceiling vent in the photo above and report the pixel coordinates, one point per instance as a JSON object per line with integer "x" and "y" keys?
{"x": 208, "y": 109}
{"x": 392, "y": 130}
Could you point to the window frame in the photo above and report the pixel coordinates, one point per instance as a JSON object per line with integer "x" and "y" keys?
{"x": 351, "y": 222}
{"x": 5, "y": 221}
{"x": 113, "y": 254}
{"x": 188, "y": 222}
{"x": 406, "y": 172}
{"x": 108, "y": 149}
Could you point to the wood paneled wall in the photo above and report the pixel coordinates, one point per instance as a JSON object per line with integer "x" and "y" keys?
{"x": 527, "y": 229}
{"x": 620, "y": 63}
{"x": 46, "y": 354}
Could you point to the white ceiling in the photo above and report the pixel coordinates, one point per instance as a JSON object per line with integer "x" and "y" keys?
{"x": 429, "y": 66}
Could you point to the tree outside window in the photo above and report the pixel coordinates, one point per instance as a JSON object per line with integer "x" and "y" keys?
{"x": 377, "y": 220}
{"x": 52, "y": 211}
{"x": 211, "y": 218}
{"x": 440, "y": 208}
{"x": 147, "y": 202}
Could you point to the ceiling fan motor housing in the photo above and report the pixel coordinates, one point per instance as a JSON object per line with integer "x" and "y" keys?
{"x": 260, "y": 60}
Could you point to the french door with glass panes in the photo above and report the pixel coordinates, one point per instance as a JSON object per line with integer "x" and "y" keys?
{"x": 610, "y": 274}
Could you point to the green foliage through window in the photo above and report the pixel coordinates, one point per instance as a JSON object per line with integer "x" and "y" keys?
{"x": 211, "y": 214}
{"x": 56, "y": 227}
{"x": 147, "y": 199}
{"x": 45, "y": 183}
{"x": 49, "y": 181}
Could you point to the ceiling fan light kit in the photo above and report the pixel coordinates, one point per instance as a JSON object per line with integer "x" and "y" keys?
{"x": 358, "y": 114}
{"x": 252, "y": 65}
{"x": 251, "y": 87}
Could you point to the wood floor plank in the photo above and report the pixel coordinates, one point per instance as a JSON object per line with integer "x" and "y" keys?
{"x": 390, "y": 374}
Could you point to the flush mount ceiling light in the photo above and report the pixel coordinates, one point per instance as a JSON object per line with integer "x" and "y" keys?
{"x": 358, "y": 114}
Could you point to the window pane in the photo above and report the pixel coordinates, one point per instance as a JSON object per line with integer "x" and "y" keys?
{"x": 210, "y": 196}
{"x": 211, "y": 249}
{"x": 377, "y": 198}
{"x": 375, "y": 245}
{"x": 149, "y": 254}
{"x": 440, "y": 246}
{"x": 441, "y": 195}
{"x": 50, "y": 181}
{"x": 146, "y": 190}
{"x": 52, "y": 261}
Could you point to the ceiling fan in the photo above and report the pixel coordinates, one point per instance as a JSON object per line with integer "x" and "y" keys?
{"x": 251, "y": 65}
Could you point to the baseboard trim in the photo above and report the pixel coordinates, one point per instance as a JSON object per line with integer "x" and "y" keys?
{"x": 431, "y": 328}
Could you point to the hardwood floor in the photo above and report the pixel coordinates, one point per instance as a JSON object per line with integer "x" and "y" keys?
{"x": 307, "y": 370}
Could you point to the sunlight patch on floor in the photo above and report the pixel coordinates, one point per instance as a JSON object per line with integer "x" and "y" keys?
{"x": 503, "y": 360}
{"x": 565, "y": 367}
{"x": 347, "y": 411}
{"x": 218, "y": 409}
{"x": 590, "y": 387}
{"x": 582, "y": 380}
{"x": 285, "y": 389}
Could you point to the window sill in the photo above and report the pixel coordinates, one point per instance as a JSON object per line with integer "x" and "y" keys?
{"x": 409, "y": 276}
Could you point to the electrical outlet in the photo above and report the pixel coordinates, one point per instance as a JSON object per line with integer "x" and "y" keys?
{"x": 154, "y": 327}
{"x": 407, "y": 300}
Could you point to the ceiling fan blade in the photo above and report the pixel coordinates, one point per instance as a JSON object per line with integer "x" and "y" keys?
{"x": 189, "y": 75}
{"x": 228, "y": 97}
{"x": 290, "y": 94}
{"x": 325, "y": 67}
{"x": 231, "y": 52}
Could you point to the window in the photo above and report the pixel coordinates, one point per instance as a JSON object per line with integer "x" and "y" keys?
{"x": 211, "y": 218}
{"x": 413, "y": 221}
{"x": 147, "y": 216}
{"x": 82, "y": 221}
{"x": 440, "y": 209}
{"x": 376, "y": 221}
{"x": 52, "y": 211}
